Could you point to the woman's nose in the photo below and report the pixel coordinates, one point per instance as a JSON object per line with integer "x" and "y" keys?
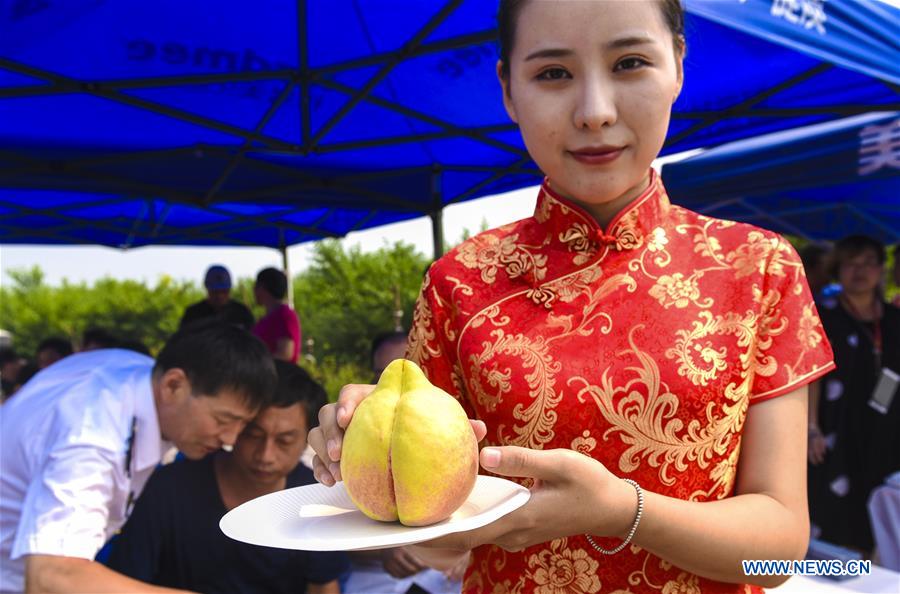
{"x": 596, "y": 106}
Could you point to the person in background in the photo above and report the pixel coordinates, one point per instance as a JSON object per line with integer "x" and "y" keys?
{"x": 396, "y": 570}
{"x": 896, "y": 271}
{"x": 279, "y": 328}
{"x": 98, "y": 338}
{"x": 51, "y": 350}
{"x": 816, "y": 264}
{"x": 173, "y": 537}
{"x": 81, "y": 438}
{"x": 218, "y": 302}
{"x": 853, "y": 445}
{"x": 10, "y": 364}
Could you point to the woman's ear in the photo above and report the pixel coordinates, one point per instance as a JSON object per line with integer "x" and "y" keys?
{"x": 507, "y": 94}
{"x": 680, "y": 52}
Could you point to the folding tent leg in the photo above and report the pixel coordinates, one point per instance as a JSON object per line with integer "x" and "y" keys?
{"x": 437, "y": 232}
{"x": 285, "y": 265}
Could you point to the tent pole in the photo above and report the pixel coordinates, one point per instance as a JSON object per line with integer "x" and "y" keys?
{"x": 437, "y": 213}
{"x": 437, "y": 232}
{"x": 285, "y": 265}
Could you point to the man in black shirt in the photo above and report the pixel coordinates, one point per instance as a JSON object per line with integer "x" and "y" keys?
{"x": 218, "y": 302}
{"x": 172, "y": 537}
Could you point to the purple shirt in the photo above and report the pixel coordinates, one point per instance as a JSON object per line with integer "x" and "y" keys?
{"x": 280, "y": 323}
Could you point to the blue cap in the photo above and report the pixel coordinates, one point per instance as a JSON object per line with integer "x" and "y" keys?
{"x": 217, "y": 278}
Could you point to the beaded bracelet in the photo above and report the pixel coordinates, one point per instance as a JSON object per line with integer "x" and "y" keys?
{"x": 637, "y": 520}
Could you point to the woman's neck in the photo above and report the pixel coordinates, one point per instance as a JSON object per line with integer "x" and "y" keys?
{"x": 605, "y": 212}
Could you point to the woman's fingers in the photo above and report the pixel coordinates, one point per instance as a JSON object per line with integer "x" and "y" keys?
{"x": 479, "y": 428}
{"x": 524, "y": 462}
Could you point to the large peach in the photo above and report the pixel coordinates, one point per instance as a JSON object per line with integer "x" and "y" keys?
{"x": 409, "y": 452}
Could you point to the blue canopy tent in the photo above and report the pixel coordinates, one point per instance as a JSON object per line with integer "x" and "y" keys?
{"x": 821, "y": 182}
{"x": 211, "y": 122}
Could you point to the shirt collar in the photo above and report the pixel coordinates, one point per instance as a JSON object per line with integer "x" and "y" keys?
{"x": 574, "y": 228}
{"x": 149, "y": 446}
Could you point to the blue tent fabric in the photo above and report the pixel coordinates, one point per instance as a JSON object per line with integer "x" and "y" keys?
{"x": 281, "y": 121}
{"x": 822, "y": 182}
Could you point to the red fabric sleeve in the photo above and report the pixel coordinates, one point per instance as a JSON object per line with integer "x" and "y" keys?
{"x": 791, "y": 347}
{"x": 432, "y": 343}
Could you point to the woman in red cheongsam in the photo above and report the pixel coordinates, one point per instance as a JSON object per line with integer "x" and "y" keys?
{"x": 613, "y": 336}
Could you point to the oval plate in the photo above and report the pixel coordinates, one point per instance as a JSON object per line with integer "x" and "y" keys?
{"x": 320, "y": 518}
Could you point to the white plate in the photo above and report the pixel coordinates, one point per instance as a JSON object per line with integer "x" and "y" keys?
{"x": 320, "y": 518}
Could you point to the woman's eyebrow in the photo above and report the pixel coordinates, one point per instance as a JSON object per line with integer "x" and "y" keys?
{"x": 549, "y": 53}
{"x": 630, "y": 41}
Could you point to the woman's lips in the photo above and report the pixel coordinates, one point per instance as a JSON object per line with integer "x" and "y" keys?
{"x": 597, "y": 156}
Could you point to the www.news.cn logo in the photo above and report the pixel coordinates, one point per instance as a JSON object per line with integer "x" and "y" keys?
{"x": 834, "y": 567}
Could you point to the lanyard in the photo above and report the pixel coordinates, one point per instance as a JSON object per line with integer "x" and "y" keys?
{"x": 875, "y": 334}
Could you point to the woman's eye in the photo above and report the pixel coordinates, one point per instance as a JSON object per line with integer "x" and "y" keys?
{"x": 554, "y": 74}
{"x": 630, "y": 64}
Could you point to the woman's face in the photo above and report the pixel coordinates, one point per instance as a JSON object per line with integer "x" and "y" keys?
{"x": 591, "y": 86}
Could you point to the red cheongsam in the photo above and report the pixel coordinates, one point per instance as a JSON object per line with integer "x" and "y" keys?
{"x": 641, "y": 345}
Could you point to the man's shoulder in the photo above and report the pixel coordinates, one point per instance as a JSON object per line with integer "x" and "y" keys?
{"x": 198, "y": 307}
{"x": 237, "y": 306}
{"x": 181, "y": 475}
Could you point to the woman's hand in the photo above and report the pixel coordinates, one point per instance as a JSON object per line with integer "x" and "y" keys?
{"x": 572, "y": 494}
{"x": 327, "y": 438}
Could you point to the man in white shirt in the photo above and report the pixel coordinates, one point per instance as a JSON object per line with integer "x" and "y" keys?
{"x": 80, "y": 440}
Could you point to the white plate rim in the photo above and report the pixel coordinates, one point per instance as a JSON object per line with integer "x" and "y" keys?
{"x": 230, "y": 522}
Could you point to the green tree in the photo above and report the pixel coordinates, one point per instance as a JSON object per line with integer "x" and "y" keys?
{"x": 33, "y": 310}
{"x": 346, "y": 296}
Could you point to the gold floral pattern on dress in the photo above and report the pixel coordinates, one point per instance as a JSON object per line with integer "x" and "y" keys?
{"x": 658, "y": 240}
{"x": 752, "y": 257}
{"x": 585, "y": 443}
{"x": 675, "y": 290}
{"x": 563, "y": 570}
{"x": 643, "y": 413}
{"x": 544, "y": 209}
{"x": 685, "y": 583}
{"x": 627, "y": 232}
{"x": 722, "y": 475}
{"x": 422, "y": 338}
{"x": 541, "y": 295}
{"x": 578, "y": 239}
{"x": 540, "y": 370}
{"x": 807, "y": 330}
{"x": 691, "y": 342}
{"x": 488, "y": 253}
{"x": 568, "y": 288}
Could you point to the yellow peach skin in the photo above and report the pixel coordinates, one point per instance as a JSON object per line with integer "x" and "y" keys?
{"x": 409, "y": 452}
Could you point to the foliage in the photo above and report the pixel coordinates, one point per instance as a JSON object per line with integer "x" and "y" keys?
{"x": 346, "y": 297}
{"x": 33, "y": 310}
{"x": 334, "y": 375}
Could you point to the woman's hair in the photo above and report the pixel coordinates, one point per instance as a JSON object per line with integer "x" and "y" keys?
{"x": 274, "y": 281}
{"x": 508, "y": 14}
{"x": 852, "y": 246}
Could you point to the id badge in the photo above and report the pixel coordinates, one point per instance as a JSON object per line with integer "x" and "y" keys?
{"x": 885, "y": 390}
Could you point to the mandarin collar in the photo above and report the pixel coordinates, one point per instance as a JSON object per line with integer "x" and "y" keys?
{"x": 577, "y": 231}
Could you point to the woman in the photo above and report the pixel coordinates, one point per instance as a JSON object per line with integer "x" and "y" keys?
{"x": 614, "y": 336}
{"x": 853, "y": 445}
